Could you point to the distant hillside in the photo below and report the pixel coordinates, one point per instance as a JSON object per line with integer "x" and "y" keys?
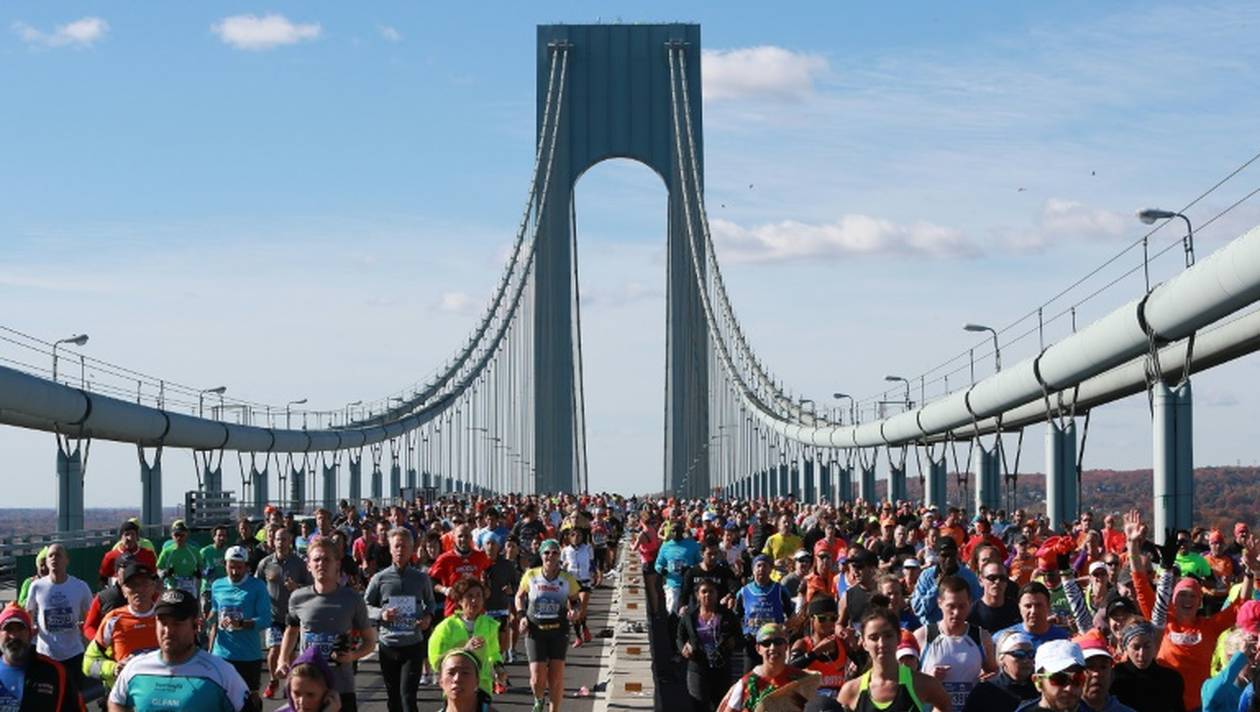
{"x": 18, "y": 521}
{"x": 1223, "y": 495}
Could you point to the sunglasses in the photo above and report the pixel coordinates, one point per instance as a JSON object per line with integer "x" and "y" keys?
{"x": 994, "y": 578}
{"x": 1021, "y": 654}
{"x": 826, "y": 618}
{"x": 773, "y": 642}
{"x": 1066, "y": 679}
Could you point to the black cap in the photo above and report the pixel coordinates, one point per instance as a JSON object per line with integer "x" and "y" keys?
{"x": 946, "y": 543}
{"x": 1117, "y": 603}
{"x": 862, "y": 558}
{"x": 823, "y": 605}
{"x": 137, "y": 568}
{"x": 177, "y": 603}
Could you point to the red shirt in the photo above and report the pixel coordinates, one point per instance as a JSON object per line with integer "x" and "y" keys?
{"x": 452, "y": 566}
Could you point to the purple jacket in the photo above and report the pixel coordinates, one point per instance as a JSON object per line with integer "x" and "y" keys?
{"x": 310, "y": 655}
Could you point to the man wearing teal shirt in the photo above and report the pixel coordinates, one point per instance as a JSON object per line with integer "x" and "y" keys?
{"x": 243, "y": 610}
{"x": 212, "y": 567}
{"x": 178, "y": 675}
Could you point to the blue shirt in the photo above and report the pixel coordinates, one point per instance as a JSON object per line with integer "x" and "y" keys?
{"x": 1054, "y": 633}
{"x": 12, "y": 681}
{"x": 247, "y": 600}
{"x": 204, "y": 683}
{"x": 923, "y": 598}
{"x": 674, "y": 558}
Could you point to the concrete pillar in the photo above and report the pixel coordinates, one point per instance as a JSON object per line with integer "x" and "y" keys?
{"x": 150, "y": 488}
{"x": 986, "y": 471}
{"x": 212, "y": 477}
{"x": 785, "y": 486}
{"x": 1062, "y": 497}
{"x": 763, "y": 488}
{"x": 329, "y": 486}
{"x": 395, "y": 479}
{"x": 356, "y": 479}
{"x": 1174, "y": 458}
{"x": 934, "y": 484}
{"x": 262, "y": 491}
{"x": 811, "y": 485}
{"x": 411, "y": 478}
{"x": 826, "y": 488}
{"x": 377, "y": 484}
{"x": 844, "y": 483}
{"x": 70, "y": 469}
{"x": 866, "y": 485}
{"x": 896, "y": 483}
{"x": 297, "y": 489}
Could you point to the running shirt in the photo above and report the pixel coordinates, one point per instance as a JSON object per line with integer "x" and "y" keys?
{"x": 247, "y": 600}
{"x": 57, "y": 609}
{"x": 761, "y": 605}
{"x": 182, "y": 565}
{"x": 599, "y": 534}
{"x": 577, "y": 561}
{"x": 203, "y": 683}
{"x": 751, "y": 689}
{"x": 547, "y": 597}
{"x": 213, "y": 566}
{"x": 831, "y": 670}
{"x": 326, "y": 620}
{"x": 962, "y": 653}
{"x": 272, "y": 571}
{"x": 452, "y": 566}
{"x": 905, "y": 701}
{"x": 127, "y": 632}
{"x": 12, "y": 685}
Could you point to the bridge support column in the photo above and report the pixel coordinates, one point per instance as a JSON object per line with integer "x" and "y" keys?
{"x": 866, "y": 486}
{"x": 356, "y": 479}
{"x": 826, "y": 488}
{"x": 297, "y": 489}
{"x": 896, "y": 484}
{"x": 1174, "y": 458}
{"x": 763, "y": 484}
{"x": 411, "y": 478}
{"x": 150, "y": 488}
{"x": 395, "y": 479}
{"x": 70, "y": 469}
{"x": 1062, "y": 495}
{"x": 785, "y": 484}
{"x": 262, "y": 492}
{"x": 935, "y": 483}
{"x": 844, "y": 483}
{"x": 377, "y": 484}
{"x": 987, "y": 474}
{"x": 809, "y": 485}
{"x": 328, "y": 485}
{"x": 211, "y": 478}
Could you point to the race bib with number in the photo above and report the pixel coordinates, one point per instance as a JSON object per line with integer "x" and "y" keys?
{"x": 324, "y": 641}
{"x": 405, "y": 613}
{"x": 186, "y": 583}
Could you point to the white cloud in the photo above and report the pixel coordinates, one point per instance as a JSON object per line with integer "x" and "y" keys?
{"x": 251, "y": 32}
{"x": 390, "y": 33}
{"x": 850, "y": 235}
{"x": 1071, "y": 219}
{"x": 83, "y": 32}
{"x": 760, "y": 72}
{"x": 456, "y": 303}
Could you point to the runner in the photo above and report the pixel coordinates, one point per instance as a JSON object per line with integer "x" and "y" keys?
{"x": 548, "y": 598}
{"x": 59, "y": 603}
{"x": 707, "y": 636}
{"x": 1060, "y": 677}
{"x": 128, "y": 630}
{"x": 179, "y": 564}
{"x": 282, "y": 572}
{"x": 399, "y": 598}
{"x": 30, "y": 682}
{"x": 502, "y": 579}
{"x": 327, "y": 614}
{"x": 578, "y": 559}
{"x": 823, "y": 650}
{"x": 310, "y": 686}
{"x": 458, "y": 675}
{"x": 759, "y": 602}
{"x": 889, "y": 686}
{"x": 955, "y": 651}
{"x": 179, "y": 675}
{"x": 129, "y": 543}
{"x": 242, "y": 608}
{"x": 212, "y": 565}
{"x": 460, "y": 562}
{"x": 772, "y": 676}
{"x": 472, "y": 629}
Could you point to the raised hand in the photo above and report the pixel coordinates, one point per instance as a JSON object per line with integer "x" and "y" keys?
{"x": 1133, "y": 525}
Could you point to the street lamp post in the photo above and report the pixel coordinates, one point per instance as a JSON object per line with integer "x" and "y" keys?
{"x": 288, "y": 412}
{"x": 1150, "y": 215}
{"x": 839, "y": 397}
{"x": 997, "y": 350}
{"x": 77, "y": 340}
{"x": 348, "y": 407}
{"x": 201, "y": 397}
{"x": 906, "y": 383}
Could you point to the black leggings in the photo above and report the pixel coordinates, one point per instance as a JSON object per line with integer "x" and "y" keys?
{"x": 249, "y": 670}
{"x": 706, "y": 686}
{"x": 400, "y": 666}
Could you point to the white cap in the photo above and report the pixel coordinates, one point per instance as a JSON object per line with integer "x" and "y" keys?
{"x": 910, "y": 563}
{"x": 1013, "y": 640}
{"x": 236, "y": 553}
{"x": 1097, "y": 566}
{"x": 1059, "y": 655}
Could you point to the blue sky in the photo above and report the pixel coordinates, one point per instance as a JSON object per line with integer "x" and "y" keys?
{"x": 313, "y": 200}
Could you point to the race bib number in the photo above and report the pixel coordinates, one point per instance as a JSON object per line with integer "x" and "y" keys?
{"x": 677, "y": 567}
{"x": 186, "y": 583}
{"x": 547, "y": 609}
{"x": 324, "y": 641}
{"x": 1188, "y": 638}
{"x": 231, "y": 616}
{"x": 59, "y": 618}
{"x": 958, "y": 692}
{"x": 405, "y": 613}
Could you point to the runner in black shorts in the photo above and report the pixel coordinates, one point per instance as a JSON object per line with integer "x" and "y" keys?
{"x": 548, "y": 597}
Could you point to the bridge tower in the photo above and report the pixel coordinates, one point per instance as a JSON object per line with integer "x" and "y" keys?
{"x": 617, "y": 104}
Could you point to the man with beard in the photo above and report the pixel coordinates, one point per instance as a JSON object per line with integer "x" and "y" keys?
{"x": 129, "y": 544}
{"x": 923, "y": 600}
{"x": 1060, "y": 678}
{"x": 243, "y": 610}
{"x": 178, "y": 675}
{"x": 1013, "y": 683}
{"x": 462, "y": 561}
{"x": 30, "y": 682}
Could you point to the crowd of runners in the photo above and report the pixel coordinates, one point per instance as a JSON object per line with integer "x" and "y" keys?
{"x": 899, "y": 607}
{"x": 448, "y": 594}
{"x": 769, "y": 607}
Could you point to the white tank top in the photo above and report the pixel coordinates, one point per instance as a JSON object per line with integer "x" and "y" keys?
{"x": 965, "y": 660}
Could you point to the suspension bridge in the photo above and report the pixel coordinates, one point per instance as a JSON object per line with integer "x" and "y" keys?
{"x": 506, "y": 413}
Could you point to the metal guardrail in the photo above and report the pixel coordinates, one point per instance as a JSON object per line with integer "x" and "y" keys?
{"x": 207, "y": 509}
{"x": 11, "y": 547}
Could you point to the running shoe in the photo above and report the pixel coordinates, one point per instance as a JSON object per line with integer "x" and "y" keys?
{"x": 424, "y": 679}
{"x": 540, "y": 705}
{"x": 269, "y": 692}
{"x": 577, "y": 641}
{"x": 586, "y": 635}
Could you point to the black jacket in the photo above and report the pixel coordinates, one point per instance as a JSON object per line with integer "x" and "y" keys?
{"x": 999, "y": 694}
{"x": 727, "y": 633}
{"x": 47, "y": 689}
{"x": 1158, "y": 687}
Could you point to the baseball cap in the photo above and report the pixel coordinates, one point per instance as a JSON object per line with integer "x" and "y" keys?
{"x": 762, "y": 557}
{"x": 236, "y": 553}
{"x": 1092, "y": 645}
{"x": 820, "y": 546}
{"x": 1121, "y": 603}
{"x": 771, "y": 631}
{"x": 823, "y": 605}
{"x": 1057, "y": 656}
{"x": 177, "y": 603}
{"x": 946, "y": 543}
{"x": 731, "y": 526}
{"x": 549, "y": 545}
{"x": 862, "y": 557}
{"x": 15, "y": 612}
{"x": 802, "y": 555}
{"x": 178, "y": 526}
{"x": 1097, "y": 566}
{"x": 137, "y": 568}
{"x": 1013, "y": 640}
{"x": 1188, "y": 584}
{"x": 907, "y": 645}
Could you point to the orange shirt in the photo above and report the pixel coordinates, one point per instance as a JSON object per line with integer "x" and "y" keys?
{"x": 1022, "y": 568}
{"x": 127, "y": 632}
{"x": 832, "y": 671}
{"x": 1188, "y": 648}
{"x": 1114, "y": 542}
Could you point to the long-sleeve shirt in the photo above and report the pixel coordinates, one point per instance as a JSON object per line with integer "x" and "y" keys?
{"x": 453, "y": 633}
{"x": 1187, "y": 648}
{"x": 1220, "y": 694}
{"x": 674, "y": 558}
{"x": 410, "y": 592}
